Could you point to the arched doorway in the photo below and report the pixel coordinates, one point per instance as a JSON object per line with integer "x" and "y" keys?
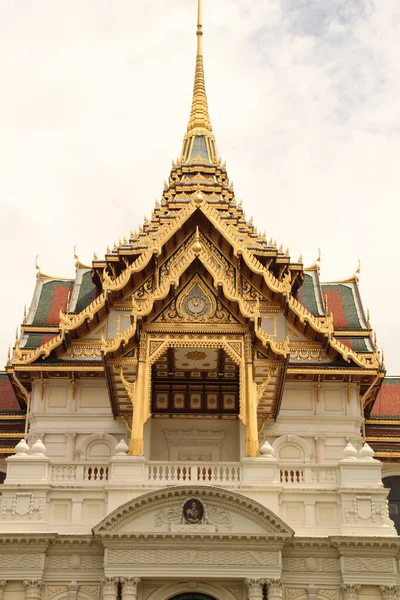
{"x": 192, "y": 596}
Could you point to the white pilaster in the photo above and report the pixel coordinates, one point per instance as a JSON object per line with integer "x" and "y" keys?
{"x": 70, "y": 446}
{"x": 3, "y": 584}
{"x": 320, "y": 445}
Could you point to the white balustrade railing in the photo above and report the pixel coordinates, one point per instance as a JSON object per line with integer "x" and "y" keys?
{"x": 307, "y": 474}
{"x": 167, "y": 472}
{"x": 230, "y": 474}
{"x": 80, "y": 473}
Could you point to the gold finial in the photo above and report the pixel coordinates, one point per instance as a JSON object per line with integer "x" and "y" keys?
{"x": 368, "y": 319}
{"x": 300, "y": 259}
{"x": 9, "y": 356}
{"x": 68, "y": 302}
{"x": 38, "y": 272}
{"x": 197, "y": 244}
{"x": 199, "y": 117}
{"x": 95, "y": 257}
{"x": 358, "y": 271}
{"x": 24, "y": 319}
{"x": 108, "y": 250}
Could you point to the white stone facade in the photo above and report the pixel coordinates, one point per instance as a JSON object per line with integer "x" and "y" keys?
{"x": 81, "y": 519}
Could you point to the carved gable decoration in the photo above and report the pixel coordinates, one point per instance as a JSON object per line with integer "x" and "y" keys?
{"x": 163, "y": 511}
{"x": 196, "y": 303}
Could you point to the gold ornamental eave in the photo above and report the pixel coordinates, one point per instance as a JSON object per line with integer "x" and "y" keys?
{"x": 382, "y": 422}
{"x": 54, "y": 368}
{"x": 321, "y": 370}
{"x": 20, "y": 417}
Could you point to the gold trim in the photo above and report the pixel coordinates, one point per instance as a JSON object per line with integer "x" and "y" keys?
{"x": 382, "y": 422}
{"x": 376, "y": 438}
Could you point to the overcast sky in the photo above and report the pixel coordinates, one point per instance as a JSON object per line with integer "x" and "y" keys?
{"x": 304, "y": 99}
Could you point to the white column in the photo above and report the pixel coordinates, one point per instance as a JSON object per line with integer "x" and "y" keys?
{"x": 3, "y": 584}
{"x": 129, "y": 588}
{"x": 110, "y": 588}
{"x": 70, "y": 446}
{"x": 275, "y": 589}
{"x": 255, "y": 588}
{"x": 320, "y": 444}
{"x": 389, "y": 592}
{"x": 350, "y": 591}
{"x": 33, "y": 589}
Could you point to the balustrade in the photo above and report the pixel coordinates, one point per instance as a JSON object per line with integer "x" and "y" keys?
{"x": 185, "y": 472}
{"x": 230, "y": 474}
{"x": 78, "y": 472}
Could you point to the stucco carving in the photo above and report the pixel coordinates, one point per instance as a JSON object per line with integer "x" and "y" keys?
{"x": 86, "y": 561}
{"x": 295, "y": 593}
{"x": 368, "y": 564}
{"x": 33, "y": 588}
{"x": 91, "y": 591}
{"x": 21, "y": 561}
{"x": 110, "y": 585}
{"x": 389, "y": 592}
{"x": 321, "y": 564}
{"x": 194, "y": 557}
{"x": 55, "y": 590}
{"x": 213, "y": 516}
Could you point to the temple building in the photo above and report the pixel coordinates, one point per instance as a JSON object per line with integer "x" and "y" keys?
{"x": 196, "y": 416}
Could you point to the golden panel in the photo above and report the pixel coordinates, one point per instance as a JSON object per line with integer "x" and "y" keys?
{"x": 195, "y": 400}
{"x": 178, "y": 400}
{"x": 228, "y": 400}
{"x": 212, "y": 400}
{"x": 161, "y": 400}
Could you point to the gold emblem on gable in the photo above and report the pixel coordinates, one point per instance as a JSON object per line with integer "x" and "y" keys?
{"x": 195, "y": 303}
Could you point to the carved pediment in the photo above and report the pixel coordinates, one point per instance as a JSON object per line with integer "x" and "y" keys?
{"x": 221, "y": 511}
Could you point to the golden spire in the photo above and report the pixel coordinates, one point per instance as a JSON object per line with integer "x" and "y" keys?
{"x": 199, "y": 117}
{"x": 199, "y": 140}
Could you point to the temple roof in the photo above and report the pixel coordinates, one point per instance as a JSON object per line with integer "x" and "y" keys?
{"x": 383, "y": 423}
{"x": 8, "y": 401}
{"x": 12, "y": 417}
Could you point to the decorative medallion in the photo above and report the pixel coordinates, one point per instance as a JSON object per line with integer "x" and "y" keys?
{"x": 193, "y": 511}
{"x": 196, "y": 303}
